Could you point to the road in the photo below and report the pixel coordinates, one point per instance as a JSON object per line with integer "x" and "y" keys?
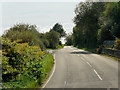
{"x": 76, "y": 68}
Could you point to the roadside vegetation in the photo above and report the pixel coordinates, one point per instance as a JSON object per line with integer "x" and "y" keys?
{"x": 95, "y": 23}
{"x": 25, "y": 61}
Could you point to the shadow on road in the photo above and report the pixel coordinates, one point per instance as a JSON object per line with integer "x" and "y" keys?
{"x": 80, "y": 52}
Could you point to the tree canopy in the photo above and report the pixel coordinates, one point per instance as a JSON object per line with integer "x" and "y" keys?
{"x": 95, "y": 22}
{"x": 58, "y": 28}
{"x": 29, "y": 34}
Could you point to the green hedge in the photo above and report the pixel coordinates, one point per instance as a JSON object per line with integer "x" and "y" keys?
{"x": 24, "y": 66}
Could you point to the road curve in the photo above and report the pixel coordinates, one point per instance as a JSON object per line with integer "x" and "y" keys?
{"x": 76, "y": 68}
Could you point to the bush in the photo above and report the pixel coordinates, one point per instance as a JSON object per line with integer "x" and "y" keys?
{"x": 24, "y": 65}
{"x": 117, "y": 44}
{"x": 16, "y": 57}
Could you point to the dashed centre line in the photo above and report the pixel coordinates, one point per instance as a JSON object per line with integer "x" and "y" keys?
{"x": 97, "y": 74}
{"x": 89, "y": 64}
{"x": 65, "y": 82}
{"x": 93, "y": 69}
{"x": 82, "y": 58}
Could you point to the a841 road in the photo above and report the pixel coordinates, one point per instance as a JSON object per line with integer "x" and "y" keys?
{"x": 76, "y": 68}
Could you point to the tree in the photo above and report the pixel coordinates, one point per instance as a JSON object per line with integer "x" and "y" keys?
{"x": 86, "y": 21}
{"x": 26, "y": 33}
{"x": 109, "y": 23}
{"x": 58, "y": 28}
{"x": 69, "y": 40}
{"x": 53, "y": 38}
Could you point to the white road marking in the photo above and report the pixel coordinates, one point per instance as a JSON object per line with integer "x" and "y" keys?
{"x": 78, "y": 55}
{"x": 51, "y": 74}
{"x": 93, "y": 69}
{"x": 89, "y": 64}
{"x": 97, "y": 74}
{"x": 54, "y": 57}
{"x": 82, "y": 58}
{"x": 65, "y": 82}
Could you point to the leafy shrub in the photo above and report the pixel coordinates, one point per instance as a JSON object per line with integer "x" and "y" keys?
{"x": 117, "y": 44}
{"x": 22, "y": 64}
{"x": 16, "y": 57}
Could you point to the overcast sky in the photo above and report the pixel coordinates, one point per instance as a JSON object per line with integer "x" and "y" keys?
{"x": 42, "y": 14}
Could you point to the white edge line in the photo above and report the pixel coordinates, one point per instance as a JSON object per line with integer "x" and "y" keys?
{"x": 97, "y": 74}
{"x": 51, "y": 74}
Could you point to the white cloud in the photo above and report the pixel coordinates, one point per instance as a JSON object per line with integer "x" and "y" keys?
{"x": 43, "y": 29}
{"x": 68, "y": 27}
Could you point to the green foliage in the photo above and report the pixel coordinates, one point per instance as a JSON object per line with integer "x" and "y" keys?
{"x": 16, "y": 57}
{"x": 117, "y": 44}
{"x": 58, "y": 28}
{"x": 69, "y": 40}
{"x": 0, "y": 43}
{"x": 22, "y": 64}
{"x": 29, "y": 34}
{"x": 109, "y": 21}
{"x": 86, "y": 20}
{"x": 26, "y": 33}
{"x": 53, "y": 38}
{"x": 103, "y": 35}
{"x": 95, "y": 23}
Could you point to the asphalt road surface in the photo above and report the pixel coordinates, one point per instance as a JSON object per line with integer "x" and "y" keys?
{"x": 76, "y": 68}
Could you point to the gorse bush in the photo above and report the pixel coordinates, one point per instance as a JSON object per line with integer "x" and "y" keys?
{"x": 17, "y": 58}
{"x": 22, "y": 63}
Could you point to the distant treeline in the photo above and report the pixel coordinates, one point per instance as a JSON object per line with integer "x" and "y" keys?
{"x": 95, "y": 22}
{"x": 29, "y": 34}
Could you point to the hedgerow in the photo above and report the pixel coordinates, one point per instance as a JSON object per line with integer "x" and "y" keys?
{"x": 23, "y": 64}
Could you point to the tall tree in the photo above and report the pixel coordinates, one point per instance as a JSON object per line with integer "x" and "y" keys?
{"x": 53, "y": 38}
{"x": 69, "y": 40}
{"x": 58, "y": 28}
{"x": 109, "y": 22}
{"x": 86, "y": 21}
